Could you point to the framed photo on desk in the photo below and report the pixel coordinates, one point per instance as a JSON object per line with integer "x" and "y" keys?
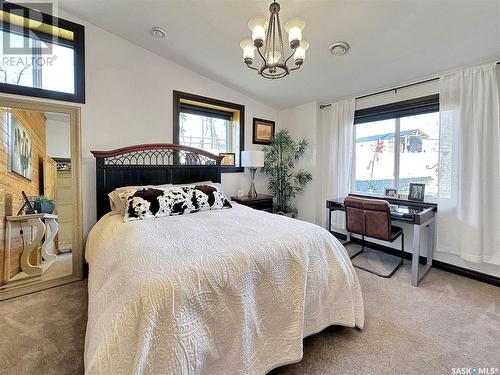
{"x": 391, "y": 192}
{"x": 417, "y": 192}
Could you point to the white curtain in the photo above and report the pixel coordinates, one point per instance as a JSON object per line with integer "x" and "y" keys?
{"x": 469, "y": 169}
{"x": 335, "y": 150}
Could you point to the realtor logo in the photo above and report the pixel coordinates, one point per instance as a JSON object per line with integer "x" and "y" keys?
{"x": 474, "y": 370}
{"x": 24, "y": 30}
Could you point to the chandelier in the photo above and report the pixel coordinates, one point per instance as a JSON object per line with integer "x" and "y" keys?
{"x": 267, "y": 39}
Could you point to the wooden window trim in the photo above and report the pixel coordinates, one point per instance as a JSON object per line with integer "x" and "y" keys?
{"x": 177, "y": 105}
{"x": 78, "y": 48}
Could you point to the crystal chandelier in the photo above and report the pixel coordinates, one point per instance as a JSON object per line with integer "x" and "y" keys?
{"x": 267, "y": 39}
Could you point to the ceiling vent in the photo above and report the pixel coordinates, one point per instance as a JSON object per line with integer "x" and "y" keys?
{"x": 339, "y": 48}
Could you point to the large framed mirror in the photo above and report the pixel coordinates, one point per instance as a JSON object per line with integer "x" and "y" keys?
{"x": 40, "y": 196}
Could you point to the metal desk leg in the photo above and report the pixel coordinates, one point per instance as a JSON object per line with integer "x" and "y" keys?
{"x": 416, "y": 276}
{"x": 416, "y": 254}
{"x": 329, "y": 225}
{"x": 432, "y": 241}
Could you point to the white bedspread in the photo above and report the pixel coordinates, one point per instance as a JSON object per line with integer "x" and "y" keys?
{"x": 231, "y": 291}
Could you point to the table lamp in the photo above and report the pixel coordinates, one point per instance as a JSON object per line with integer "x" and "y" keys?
{"x": 252, "y": 160}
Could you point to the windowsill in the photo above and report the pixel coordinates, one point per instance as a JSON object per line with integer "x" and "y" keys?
{"x": 232, "y": 170}
{"x": 404, "y": 197}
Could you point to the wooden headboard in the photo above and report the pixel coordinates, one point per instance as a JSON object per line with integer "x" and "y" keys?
{"x": 151, "y": 164}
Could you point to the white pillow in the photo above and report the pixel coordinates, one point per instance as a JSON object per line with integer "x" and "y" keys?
{"x": 116, "y": 203}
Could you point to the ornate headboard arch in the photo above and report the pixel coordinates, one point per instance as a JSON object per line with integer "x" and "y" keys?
{"x": 151, "y": 164}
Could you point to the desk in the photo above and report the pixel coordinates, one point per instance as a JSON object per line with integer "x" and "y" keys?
{"x": 419, "y": 214}
{"x": 45, "y": 225}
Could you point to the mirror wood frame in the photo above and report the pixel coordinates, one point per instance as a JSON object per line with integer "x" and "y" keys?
{"x": 74, "y": 113}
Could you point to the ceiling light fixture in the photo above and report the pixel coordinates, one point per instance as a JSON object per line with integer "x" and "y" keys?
{"x": 159, "y": 32}
{"x": 339, "y": 48}
{"x": 267, "y": 39}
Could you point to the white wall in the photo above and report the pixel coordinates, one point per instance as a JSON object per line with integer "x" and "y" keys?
{"x": 58, "y": 141}
{"x": 301, "y": 122}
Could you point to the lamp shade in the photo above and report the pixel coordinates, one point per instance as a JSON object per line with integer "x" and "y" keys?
{"x": 252, "y": 159}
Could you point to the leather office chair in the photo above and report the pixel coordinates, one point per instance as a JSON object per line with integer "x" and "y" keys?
{"x": 372, "y": 218}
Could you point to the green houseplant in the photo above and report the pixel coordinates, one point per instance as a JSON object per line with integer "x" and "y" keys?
{"x": 279, "y": 165}
{"x": 44, "y": 205}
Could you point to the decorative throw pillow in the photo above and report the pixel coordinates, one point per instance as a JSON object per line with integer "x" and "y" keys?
{"x": 175, "y": 200}
{"x": 117, "y": 205}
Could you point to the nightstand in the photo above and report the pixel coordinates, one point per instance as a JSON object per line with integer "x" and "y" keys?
{"x": 262, "y": 202}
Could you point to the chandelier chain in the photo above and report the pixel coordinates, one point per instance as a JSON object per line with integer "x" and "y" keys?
{"x": 269, "y": 33}
{"x": 280, "y": 34}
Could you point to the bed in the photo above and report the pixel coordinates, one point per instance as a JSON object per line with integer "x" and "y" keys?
{"x": 230, "y": 291}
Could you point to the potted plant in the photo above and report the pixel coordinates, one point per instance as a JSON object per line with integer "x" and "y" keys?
{"x": 279, "y": 163}
{"x": 44, "y": 205}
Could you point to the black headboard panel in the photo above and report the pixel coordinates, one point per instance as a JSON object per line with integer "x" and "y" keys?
{"x": 151, "y": 164}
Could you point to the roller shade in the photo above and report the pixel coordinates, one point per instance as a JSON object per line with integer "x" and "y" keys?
{"x": 204, "y": 111}
{"x": 418, "y": 106}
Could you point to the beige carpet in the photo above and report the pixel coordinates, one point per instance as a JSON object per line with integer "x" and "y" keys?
{"x": 44, "y": 332}
{"x": 449, "y": 321}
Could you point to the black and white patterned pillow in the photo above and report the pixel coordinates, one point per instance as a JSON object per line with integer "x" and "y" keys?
{"x": 175, "y": 200}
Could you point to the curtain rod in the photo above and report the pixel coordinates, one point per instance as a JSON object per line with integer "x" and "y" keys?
{"x": 395, "y": 89}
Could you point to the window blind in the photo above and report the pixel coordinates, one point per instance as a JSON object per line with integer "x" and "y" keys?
{"x": 425, "y": 104}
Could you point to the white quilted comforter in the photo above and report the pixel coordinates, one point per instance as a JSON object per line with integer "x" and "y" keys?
{"x": 231, "y": 291}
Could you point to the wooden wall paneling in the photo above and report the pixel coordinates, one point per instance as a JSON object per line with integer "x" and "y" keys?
{"x": 64, "y": 206}
{"x": 12, "y": 184}
{"x": 49, "y": 177}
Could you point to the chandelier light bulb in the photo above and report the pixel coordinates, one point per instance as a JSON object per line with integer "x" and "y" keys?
{"x": 300, "y": 53}
{"x": 257, "y": 26}
{"x": 248, "y": 50}
{"x": 294, "y": 29}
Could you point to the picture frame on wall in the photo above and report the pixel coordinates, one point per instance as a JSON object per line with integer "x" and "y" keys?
{"x": 229, "y": 159}
{"x": 263, "y": 131}
{"x": 391, "y": 192}
{"x": 417, "y": 192}
{"x": 21, "y": 149}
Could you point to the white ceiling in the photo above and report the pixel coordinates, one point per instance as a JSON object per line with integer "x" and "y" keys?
{"x": 393, "y": 41}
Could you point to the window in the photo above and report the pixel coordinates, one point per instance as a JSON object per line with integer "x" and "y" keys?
{"x": 397, "y": 144}
{"x": 211, "y": 125}
{"x": 42, "y": 56}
